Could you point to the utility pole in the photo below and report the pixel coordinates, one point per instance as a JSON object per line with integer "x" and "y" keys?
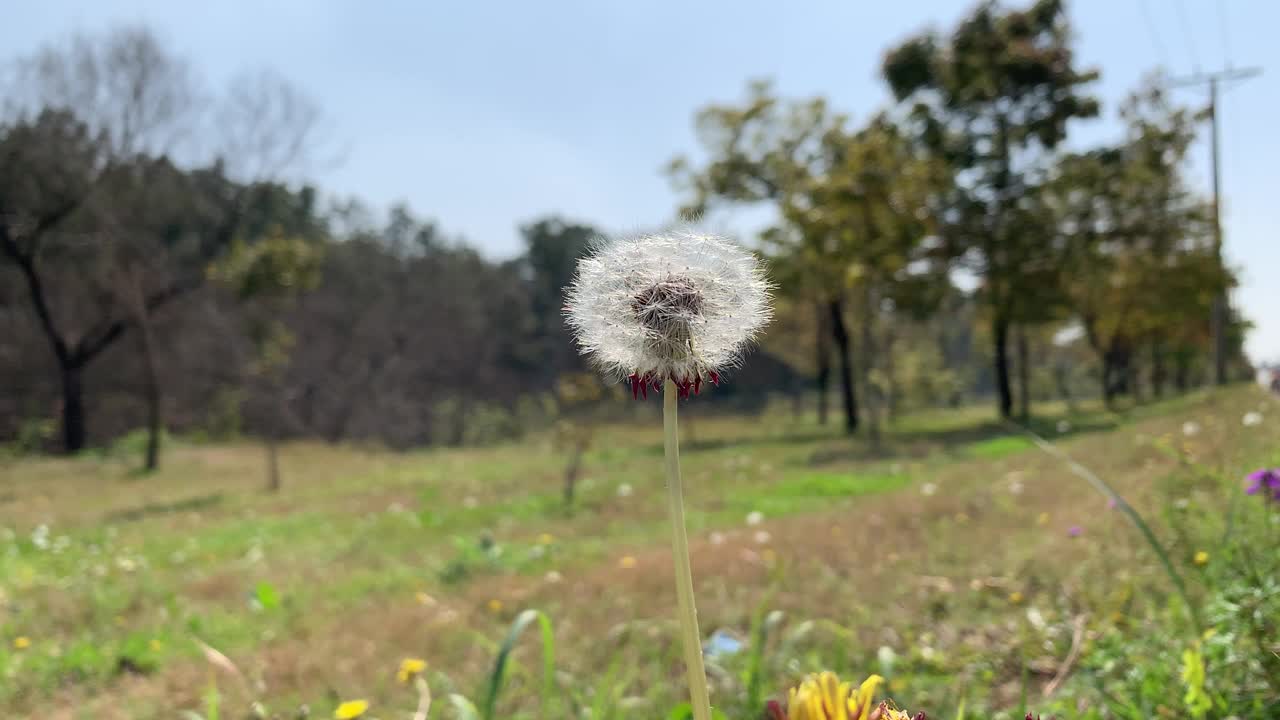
{"x": 1218, "y": 316}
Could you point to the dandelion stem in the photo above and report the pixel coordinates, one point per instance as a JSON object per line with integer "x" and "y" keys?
{"x": 691, "y": 638}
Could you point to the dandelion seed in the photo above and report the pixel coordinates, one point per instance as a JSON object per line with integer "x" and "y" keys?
{"x": 1190, "y": 428}
{"x": 1182, "y": 503}
{"x": 680, "y": 307}
{"x": 1251, "y": 418}
{"x": 626, "y": 562}
{"x": 552, "y": 577}
{"x": 624, "y": 490}
{"x": 410, "y": 668}
{"x": 22, "y": 642}
{"x": 755, "y": 517}
{"x": 1202, "y": 558}
{"x": 928, "y": 489}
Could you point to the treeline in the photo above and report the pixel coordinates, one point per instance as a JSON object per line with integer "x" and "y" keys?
{"x": 964, "y": 178}
{"x": 162, "y": 267}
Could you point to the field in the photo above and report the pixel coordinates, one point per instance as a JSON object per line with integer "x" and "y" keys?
{"x": 960, "y": 561}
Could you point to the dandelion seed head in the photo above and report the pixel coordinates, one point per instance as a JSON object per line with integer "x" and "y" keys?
{"x": 682, "y": 306}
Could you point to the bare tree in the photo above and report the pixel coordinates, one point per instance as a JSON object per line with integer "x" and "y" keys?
{"x": 102, "y": 139}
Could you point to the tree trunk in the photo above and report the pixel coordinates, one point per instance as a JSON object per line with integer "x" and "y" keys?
{"x": 848, "y": 394}
{"x": 1108, "y": 388}
{"x": 1157, "y": 370}
{"x": 152, "y": 379}
{"x": 274, "y": 481}
{"x": 1182, "y": 372}
{"x": 1024, "y": 375}
{"x": 571, "y": 472}
{"x": 1004, "y": 394}
{"x": 869, "y": 393}
{"x": 824, "y": 366}
{"x": 74, "y": 432}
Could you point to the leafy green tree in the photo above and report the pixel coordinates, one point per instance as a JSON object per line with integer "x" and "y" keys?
{"x": 991, "y": 99}
{"x": 766, "y": 152}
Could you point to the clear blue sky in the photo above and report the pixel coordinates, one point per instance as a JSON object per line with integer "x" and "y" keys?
{"x": 486, "y": 115}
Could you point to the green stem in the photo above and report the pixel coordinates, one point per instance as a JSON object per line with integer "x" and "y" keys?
{"x": 690, "y": 637}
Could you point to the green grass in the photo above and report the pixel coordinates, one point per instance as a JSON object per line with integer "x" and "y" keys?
{"x": 317, "y": 592}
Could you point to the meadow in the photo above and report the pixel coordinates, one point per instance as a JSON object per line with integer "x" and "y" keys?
{"x": 978, "y": 574}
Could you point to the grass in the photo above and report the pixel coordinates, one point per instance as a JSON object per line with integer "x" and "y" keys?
{"x": 903, "y": 561}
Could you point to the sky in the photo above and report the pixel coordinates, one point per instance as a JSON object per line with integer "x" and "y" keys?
{"x": 484, "y": 116}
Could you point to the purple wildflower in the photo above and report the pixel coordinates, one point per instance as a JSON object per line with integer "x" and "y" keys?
{"x": 1265, "y": 481}
{"x": 1111, "y": 503}
{"x": 1074, "y": 531}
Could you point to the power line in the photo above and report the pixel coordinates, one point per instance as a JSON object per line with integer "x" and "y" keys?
{"x": 1154, "y": 33}
{"x": 1186, "y": 35}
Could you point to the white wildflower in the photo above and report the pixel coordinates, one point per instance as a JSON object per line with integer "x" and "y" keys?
{"x": 1252, "y": 418}
{"x": 716, "y": 538}
{"x": 678, "y": 306}
{"x": 928, "y": 489}
{"x": 470, "y": 502}
{"x": 1190, "y": 428}
{"x": 755, "y": 517}
{"x": 553, "y": 577}
{"x": 762, "y": 537}
{"x": 624, "y": 490}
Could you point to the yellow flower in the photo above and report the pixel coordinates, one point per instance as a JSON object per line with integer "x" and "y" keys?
{"x": 22, "y": 642}
{"x": 1043, "y": 519}
{"x": 351, "y": 709}
{"x": 410, "y": 668}
{"x": 824, "y": 697}
{"x": 1209, "y": 633}
{"x": 546, "y": 539}
{"x": 1202, "y": 558}
{"x": 627, "y": 562}
{"x": 495, "y": 606}
{"x": 425, "y": 599}
{"x": 156, "y": 646}
{"x": 1015, "y": 597}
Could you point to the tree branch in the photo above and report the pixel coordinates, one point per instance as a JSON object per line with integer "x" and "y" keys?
{"x": 100, "y": 339}
{"x": 35, "y": 288}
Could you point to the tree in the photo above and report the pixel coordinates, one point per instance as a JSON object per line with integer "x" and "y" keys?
{"x": 1137, "y": 243}
{"x": 991, "y": 99}
{"x": 102, "y": 223}
{"x": 768, "y": 153}
{"x": 552, "y": 249}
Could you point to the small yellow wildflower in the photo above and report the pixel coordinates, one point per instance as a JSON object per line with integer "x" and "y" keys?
{"x": 627, "y": 562}
{"x": 351, "y": 709}
{"x": 962, "y": 518}
{"x": 1202, "y": 558}
{"x": 425, "y": 599}
{"x": 495, "y": 606}
{"x": 410, "y": 668}
{"x": 155, "y": 645}
{"x": 22, "y": 642}
{"x": 1015, "y": 597}
{"x": 546, "y": 539}
{"x": 1043, "y": 519}
{"x": 1209, "y": 633}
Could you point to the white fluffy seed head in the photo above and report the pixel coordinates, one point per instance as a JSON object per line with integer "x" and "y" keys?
{"x": 682, "y": 306}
